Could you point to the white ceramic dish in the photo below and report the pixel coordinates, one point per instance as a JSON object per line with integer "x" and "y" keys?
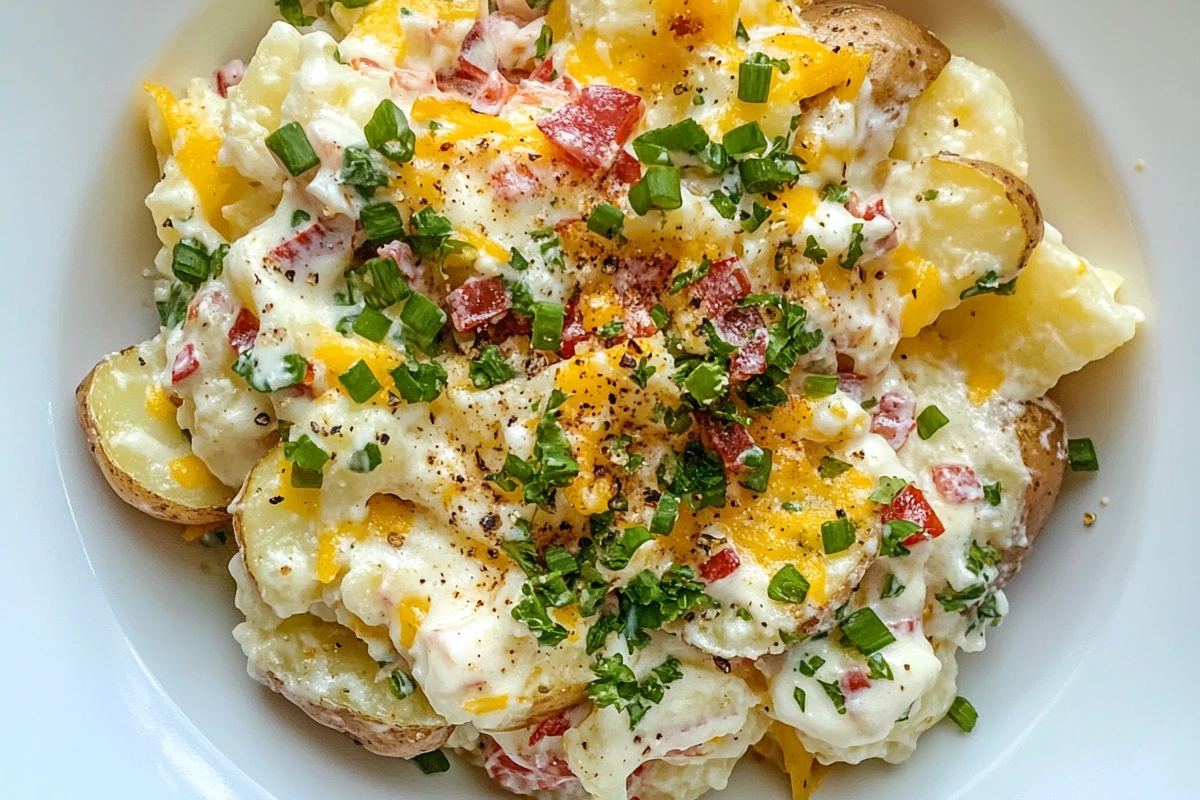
{"x": 121, "y": 676}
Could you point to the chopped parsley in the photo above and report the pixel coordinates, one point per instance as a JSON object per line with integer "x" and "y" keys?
{"x": 490, "y": 368}
{"x": 991, "y": 493}
{"x": 616, "y": 685}
{"x": 551, "y": 467}
{"x": 989, "y": 284}
{"x": 362, "y": 171}
{"x": 855, "y": 252}
{"x": 930, "y": 421}
{"x": 834, "y": 693}
{"x": 697, "y": 475}
{"x": 889, "y": 487}
{"x": 788, "y": 586}
{"x": 813, "y": 250}
{"x": 892, "y": 587}
{"x": 831, "y": 467}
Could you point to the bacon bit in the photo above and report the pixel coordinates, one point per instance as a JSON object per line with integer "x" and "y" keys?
{"x": 465, "y": 78}
{"x": 893, "y": 418}
{"x": 739, "y": 325}
{"x": 417, "y": 81}
{"x": 722, "y": 565}
{"x": 574, "y": 334}
{"x": 855, "y": 205}
{"x": 549, "y": 773}
{"x": 910, "y": 504}
{"x": 361, "y": 63}
{"x": 683, "y": 26}
{"x": 229, "y": 76}
{"x": 543, "y": 72}
{"x": 730, "y": 442}
{"x": 520, "y": 10}
{"x": 492, "y": 96}
{"x": 905, "y": 625}
{"x": 876, "y": 209}
{"x": 751, "y": 358}
{"x": 305, "y": 245}
{"x": 854, "y": 680}
{"x": 476, "y": 302}
{"x": 889, "y": 242}
{"x": 852, "y": 384}
{"x": 513, "y": 181}
{"x": 638, "y": 322}
{"x": 209, "y": 301}
{"x": 185, "y": 363}
{"x": 244, "y": 331}
{"x": 503, "y": 329}
{"x": 726, "y": 282}
{"x": 647, "y": 275}
{"x": 591, "y": 130}
{"x": 957, "y": 483}
{"x": 554, "y": 726}
{"x": 626, "y": 170}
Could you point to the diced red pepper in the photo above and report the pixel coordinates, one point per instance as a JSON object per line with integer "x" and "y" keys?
{"x": 185, "y": 363}
{"x": 852, "y": 384}
{"x": 307, "y": 244}
{"x": 244, "y": 331}
{"x": 854, "y": 680}
{"x": 553, "y": 726}
{"x": 910, "y": 504}
{"x": 512, "y": 181}
{"x": 478, "y": 301}
{"x": 726, "y": 283}
{"x": 957, "y": 483}
{"x": 731, "y": 442}
{"x": 590, "y": 130}
{"x": 626, "y": 170}
{"x": 465, "y": 78}
{"x": 548, "y": 773}
{"x": 722, "y": 565}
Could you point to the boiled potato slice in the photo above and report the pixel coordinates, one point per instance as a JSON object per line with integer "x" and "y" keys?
{"x": 1063, "y": 314}
{"x": 969, "y": 111}
{"x": 1042, "y": 436}
{"x": 326, "y": 671}
{"x": 906, "y": 58}
{"x": 982, "y": 221}
{"x": 129, "y": 423}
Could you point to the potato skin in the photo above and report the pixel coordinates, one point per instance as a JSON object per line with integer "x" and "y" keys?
{"x": 384, "y": 740}
{"x": 1018, "y": 192}
{"x": 906, "y": 57}
{"x": 126, "y": 486}
{"x": 1041, "y": 433}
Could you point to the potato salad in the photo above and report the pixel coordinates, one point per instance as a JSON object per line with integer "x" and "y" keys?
{"x": 602, "y": 389}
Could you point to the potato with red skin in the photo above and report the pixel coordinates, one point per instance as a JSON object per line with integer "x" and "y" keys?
{"x": 1042, "y": 435}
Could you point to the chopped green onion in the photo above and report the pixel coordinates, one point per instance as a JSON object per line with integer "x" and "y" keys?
{"x": 517, "y": 261}
{"x": 866, "y": 631}
{"x": 788, "y": 586}
{"x": 306, "y": 478}
{"x": 611, "y": 329}
{"x": 401, "y": 683}
{"x": 190, "y": 262}
{"x": 754, "y": 82}
{"x": 813, "y": 250}
{"x": 173, "y": 310}
{"x": 367, "y": 459}
{"x": 490, "y": 369}
{"x": 429, "y": 233}
{"x": 548, "y": 321}
{"x": 834, "y": 693}
{"x": 380, "y": 282}
{"x": 989, "y": 284}
{"x": 837, "y": 535}
{"x": 880, "y": 669}
{"x": 659, "y": 316}
{"x": 723, "y": 204}
{"x": 432, "y": 762}
{"x": 360, "y": 171}
{"x": 759, "y": 476}
{"x": 799, "y": 695}
{"x": 1081, "y": 455}
{"x": 963, "y": 714}
{"x": 293, "y": 13}
{"x": 655, "y": 146}
{"x": 665, "y": 515}
{"x": 754, "y": 220}
{"x": 381, "y": 222}
{"x": 299, "y": 217}
{"x": 745, "y": 139}
{"x": 741, "y": 33}
{"x": 930, "y": 421}
{"x": 894, "y": 534}
{"x": 419, "y": 382}
{"x": 388, "y": 133}
{"x": 818, "y": 386}
{"x": 360, "y": 382}
{"x": 658, "y": 188}
{"x": 930, "y": 194}
{"x": 809, "y": 668}
{"x": 372, "y": 325}
{"x": 424, "y": 319}
{"x": 306, "y": 453}
{"x": 889, "y": 487}
{"x": 892, "y": 587}
{"x": 768, "y": 174}
{"x": 686, "y": 278}
{"x": 545, "y": 41}
{"x": 697, "y": 99}
{"x": 707, "y": 382}
{"x": 291, "y": 145}
{"x": 831, "y": 467}
{"x": 606, "y": 220}
{"x": 835, "y": 192}
{"x": 991, "y": 493}
{"x": 856, "y": 247}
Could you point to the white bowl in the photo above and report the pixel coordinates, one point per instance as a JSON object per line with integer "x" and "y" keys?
{"x": 123, "y": 677}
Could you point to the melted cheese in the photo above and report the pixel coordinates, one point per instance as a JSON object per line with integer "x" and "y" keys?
{"x": 190, "y": 472}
